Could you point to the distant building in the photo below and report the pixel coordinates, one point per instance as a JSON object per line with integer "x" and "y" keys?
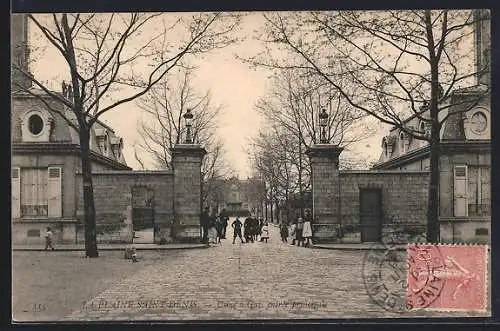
{"x": 240, "y": 197}
{"x": 465, "y": 162}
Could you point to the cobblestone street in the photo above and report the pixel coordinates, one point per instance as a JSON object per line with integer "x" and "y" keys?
{"x": 241, "y": 281}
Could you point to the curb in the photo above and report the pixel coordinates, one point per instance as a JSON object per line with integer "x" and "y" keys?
{"x": 66, "y": 249}
{"x": 340, "y": 248}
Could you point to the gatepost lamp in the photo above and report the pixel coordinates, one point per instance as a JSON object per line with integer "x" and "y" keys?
{"x": 323, "y": 123}
{"x": 188, "y": 118}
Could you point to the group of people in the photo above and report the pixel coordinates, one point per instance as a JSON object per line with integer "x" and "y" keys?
{"x": 216, "y": 225}
{"x": 300, "y": 231}
{"x": 252, "y": 229}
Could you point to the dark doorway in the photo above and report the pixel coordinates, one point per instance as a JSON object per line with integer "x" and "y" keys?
{"x": 143, "y": 213}
{"x": 370, "y": 212}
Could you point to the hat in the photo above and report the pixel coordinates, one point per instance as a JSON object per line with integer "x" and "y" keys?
{"x": 300, "y": 219}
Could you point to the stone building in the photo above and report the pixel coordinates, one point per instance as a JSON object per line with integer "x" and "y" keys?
{"x": 46, "y": 183}
{"x": 240, "y": 197}
{"x": 465, "y": 161}
{"x": 389, "y": 202}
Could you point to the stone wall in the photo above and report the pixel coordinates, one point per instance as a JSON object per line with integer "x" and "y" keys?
{"x": 113, "y": 202}
{"x": 404, "y": 202}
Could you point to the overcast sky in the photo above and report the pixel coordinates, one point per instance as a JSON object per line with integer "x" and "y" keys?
{"x": 232, "y": 83}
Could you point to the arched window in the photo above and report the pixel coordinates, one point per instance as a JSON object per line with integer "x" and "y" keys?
{"x": 421, "y": 128}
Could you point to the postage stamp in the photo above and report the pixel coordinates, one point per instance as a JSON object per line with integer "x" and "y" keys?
{"x": 447, "y": 277}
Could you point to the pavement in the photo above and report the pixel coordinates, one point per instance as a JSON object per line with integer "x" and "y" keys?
{"x": 109, "y": 247}
{"x": 241, "y": 281}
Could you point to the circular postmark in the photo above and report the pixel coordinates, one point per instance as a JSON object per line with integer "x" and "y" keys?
{"x": 425, "y": 265}
{"x": 385, "y": 275}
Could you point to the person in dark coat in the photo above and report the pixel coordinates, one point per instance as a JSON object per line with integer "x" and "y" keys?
{"x": 256, "y": 232}
{"x": 204, "y": 222}
{"x": 224, "y": 222}
{"x": 237, "y": 229}
{"x": 260, "y": 225}
{"x": 284, "y": 232}
{"x": 248, "y": 229}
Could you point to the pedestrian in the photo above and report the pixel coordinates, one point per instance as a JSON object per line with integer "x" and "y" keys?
{"x": 293, "y": 230}
{"x": 284, "y": 232}
{"x": 265, "y": 232}
{"x": 248, "y": 229}
{"x": 307, "y": 230}
{"x": 204, "y": 222}
{"x": 237, "y": 229}
{"x": 212, "y": 229}
{"x": 261, "y": 224}
{"x": 225, "y": 221}
{"x": 299, "y": 231}
{"x": 48, "y": 239}
{"x": 218, "y": 228}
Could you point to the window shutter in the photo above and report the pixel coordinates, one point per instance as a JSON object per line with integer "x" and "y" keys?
{"x": 460, "y": 190}
{"x": 16, "y": 192}
{"x": 54, "y": 188}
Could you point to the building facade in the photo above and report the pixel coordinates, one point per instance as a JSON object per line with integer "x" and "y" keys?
{"x": 239, "y": 197}
{"x": 465, "y": 147}
{"x": 46, "y": 183}
{"x": 389, "y": 202}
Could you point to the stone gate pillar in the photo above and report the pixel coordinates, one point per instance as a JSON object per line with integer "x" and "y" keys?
{"x": 325, "y": 191}
{"x": 186, "y": 162}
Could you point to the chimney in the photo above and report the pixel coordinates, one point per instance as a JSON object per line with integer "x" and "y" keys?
{"x": 482, "y": 45}
{"x": 20, "y": 52}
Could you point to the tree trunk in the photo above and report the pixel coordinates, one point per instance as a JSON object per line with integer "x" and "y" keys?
{"x": 433, "y": 198}
{"x": 88, "y": 197}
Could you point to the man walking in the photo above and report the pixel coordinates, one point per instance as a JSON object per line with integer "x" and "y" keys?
{"x": 204, "y": 222}
{"x": 237, "y": 229}
{"x": 224, "y": 221}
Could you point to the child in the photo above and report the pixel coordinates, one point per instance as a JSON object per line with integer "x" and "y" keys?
{"x": 265, "y": 232}
{"x": 48, "y": 238}
{"x": 293, "y": 228}
{"x": 307, "y": 232}
{"x": 284, "y": 232}
{"x": 298, "y": 232}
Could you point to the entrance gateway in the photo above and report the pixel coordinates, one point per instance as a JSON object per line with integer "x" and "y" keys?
{"x": 370, "y": 212}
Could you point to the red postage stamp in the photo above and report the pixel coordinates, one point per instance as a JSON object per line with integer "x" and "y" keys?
{"x": 447, "y": 277}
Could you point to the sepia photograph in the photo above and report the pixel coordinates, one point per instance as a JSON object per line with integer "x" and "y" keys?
{"x": 250, "y": 165}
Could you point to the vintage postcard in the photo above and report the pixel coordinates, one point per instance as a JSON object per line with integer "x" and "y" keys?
{"x": 175, "y": 166}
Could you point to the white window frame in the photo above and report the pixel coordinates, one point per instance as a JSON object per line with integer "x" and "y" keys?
{"x": 54, "y": 193}
{"x": 16, "y": 192}
{"x": 465, "y": 195}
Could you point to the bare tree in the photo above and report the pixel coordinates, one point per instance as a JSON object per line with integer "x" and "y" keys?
{"x": 293, "y": 105}
{"x": 390, "y": 65}
{"x": 163, "y": 127}
{"x": 103, "y": 53}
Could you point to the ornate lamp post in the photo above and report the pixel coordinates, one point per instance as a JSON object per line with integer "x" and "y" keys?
{"x": 188, "y": 118}
{"x": 323, "y": 123}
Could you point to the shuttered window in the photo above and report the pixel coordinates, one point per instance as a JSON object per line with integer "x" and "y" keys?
{"x": 460, "y": 190}
{"x": 479, "y": 198}
{"x": 16, "y": 192}
{"x": 34, "y": 199}
{"x": 54, "y": 192}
